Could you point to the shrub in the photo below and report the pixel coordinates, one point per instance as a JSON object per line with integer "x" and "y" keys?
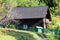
{"x": 54, "y": 23}
{"x": 12, "y": 26}
{"x": 57, "y": 33}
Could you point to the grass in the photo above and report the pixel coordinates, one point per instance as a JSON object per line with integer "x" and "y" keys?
{"x": 6, "y": 37}
{"x": 12, "y": 34}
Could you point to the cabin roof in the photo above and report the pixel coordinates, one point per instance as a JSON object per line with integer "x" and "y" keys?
{"x": 29, "y": 12}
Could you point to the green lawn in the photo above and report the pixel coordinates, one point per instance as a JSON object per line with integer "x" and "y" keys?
{"x": 7, "y": 37}
{"x": 12, "y": 34}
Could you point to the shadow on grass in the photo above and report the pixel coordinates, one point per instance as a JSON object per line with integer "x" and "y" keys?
{"x": 41, "y": 35}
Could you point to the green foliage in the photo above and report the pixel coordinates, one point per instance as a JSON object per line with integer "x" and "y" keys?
{"x": 54, "y": 28}
{"x": 54, "y": 34}
{"x": 54, "y": 23}
{"x": 29, "y": 3}
{"x": 57, "y": 32}
{"x": 56, "y": 10}
{"x": 51, "y": 36}
{"x": 12, "y": 26}
{"x": 7, "y": 6}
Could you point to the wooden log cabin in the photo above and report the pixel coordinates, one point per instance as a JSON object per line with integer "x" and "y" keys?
{"x": 30, "y": 17}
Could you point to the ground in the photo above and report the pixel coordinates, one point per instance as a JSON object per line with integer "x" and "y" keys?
{"x": 13, "y": 34}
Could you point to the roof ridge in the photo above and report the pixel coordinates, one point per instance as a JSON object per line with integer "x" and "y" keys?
{"x": 30, "y": 7}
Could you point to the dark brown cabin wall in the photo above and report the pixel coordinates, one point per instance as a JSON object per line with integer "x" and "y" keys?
{"x": 39, "y": 23}
{"x": 31, "y": 22}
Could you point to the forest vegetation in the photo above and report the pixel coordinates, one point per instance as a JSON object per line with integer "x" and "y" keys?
{"x": 54, "y": 8}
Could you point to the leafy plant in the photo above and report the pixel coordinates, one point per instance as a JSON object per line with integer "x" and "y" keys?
{"x": 54, "y": 23}
{"x": 12, "y": 26}
{"x": 51, "y": 36}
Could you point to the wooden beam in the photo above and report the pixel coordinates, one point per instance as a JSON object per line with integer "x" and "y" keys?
{"x": 44, "y": 23}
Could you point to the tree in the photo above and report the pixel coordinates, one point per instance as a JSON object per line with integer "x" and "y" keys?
{"x": 27, "y": 3}
{"x": 6, "y": 6}
{"x": 58, "y": 7}
{"x": 1, "y": 8}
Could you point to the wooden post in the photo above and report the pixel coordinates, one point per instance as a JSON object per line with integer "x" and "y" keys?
{"x": 44, "y": 24}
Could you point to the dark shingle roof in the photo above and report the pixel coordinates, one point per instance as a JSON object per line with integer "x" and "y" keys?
{"x": 29, "y": 12}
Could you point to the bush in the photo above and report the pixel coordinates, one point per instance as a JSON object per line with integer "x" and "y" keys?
{"x": 54, "y": 23}
{"x": 55, "y": 35}
{"x": 51, "y": 36}
{"x": 12, "y": 26}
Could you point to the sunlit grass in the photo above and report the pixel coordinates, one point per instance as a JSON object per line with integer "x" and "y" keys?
{"x": 12, "y": 34}
{"x": 7, "y": 37}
